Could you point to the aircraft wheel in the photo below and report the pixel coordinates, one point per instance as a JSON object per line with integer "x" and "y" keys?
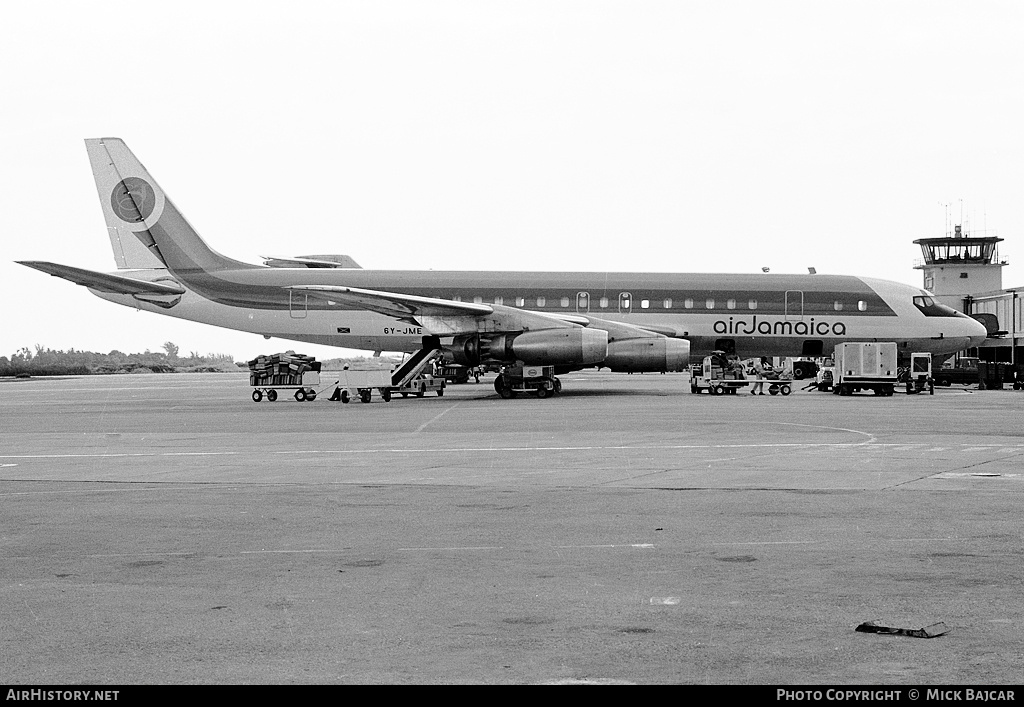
{"x": 345, "y": 397}
{"x": 272, "y": 395}
{"x": 257, "y": 395}
{"x": 300, "y": 395}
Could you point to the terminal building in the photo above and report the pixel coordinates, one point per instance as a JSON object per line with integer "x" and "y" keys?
{"x": 965, "y": 272}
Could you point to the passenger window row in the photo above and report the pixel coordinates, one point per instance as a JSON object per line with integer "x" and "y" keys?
{"x": 625, "y": 302}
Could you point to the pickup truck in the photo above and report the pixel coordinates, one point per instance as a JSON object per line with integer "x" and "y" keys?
{"x": 963, "y": 372}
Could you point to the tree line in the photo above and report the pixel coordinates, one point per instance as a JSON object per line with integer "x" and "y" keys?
{"x": 44, "y": 361}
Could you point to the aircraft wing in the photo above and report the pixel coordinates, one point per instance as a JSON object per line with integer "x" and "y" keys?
{"x": 395, "y": 304}
{"x": 442, "y": 316}
{"x": 310, "y": 261}
{"x": 621, "y": 329}
{"x": 103, "y": 282}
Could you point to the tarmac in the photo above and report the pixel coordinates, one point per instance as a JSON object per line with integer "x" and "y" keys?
{"x": 165, "y": 529}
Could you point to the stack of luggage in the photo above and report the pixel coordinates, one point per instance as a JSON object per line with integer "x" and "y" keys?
{"x": 281, "y": 368}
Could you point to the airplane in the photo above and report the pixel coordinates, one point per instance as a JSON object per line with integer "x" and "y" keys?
{"x": 627, "y": 322}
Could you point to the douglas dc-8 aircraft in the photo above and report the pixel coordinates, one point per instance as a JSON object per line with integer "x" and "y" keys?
{"x": 570, "y": 320}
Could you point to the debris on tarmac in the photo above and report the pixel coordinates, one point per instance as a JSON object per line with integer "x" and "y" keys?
{"x": 926, "y": 632}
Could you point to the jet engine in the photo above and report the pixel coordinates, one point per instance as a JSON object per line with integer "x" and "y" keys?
{"x": 546, "y": 347}
{"x": 648, "y": 355}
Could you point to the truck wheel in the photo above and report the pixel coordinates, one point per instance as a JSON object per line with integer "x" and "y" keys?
{"x": 365, "y": 395}
{"x": 385, "y": 395}
{"x": 310, "y": 396}
{"x": 272, "y": 395}
{"x": 257, "y": 395}
{"x": 300, "y": 395}
{"x": 345, "y": 397}
{"x": 440, "y": 392}
{"x": 543, "y": 391}
{"x": 785, "y": 390}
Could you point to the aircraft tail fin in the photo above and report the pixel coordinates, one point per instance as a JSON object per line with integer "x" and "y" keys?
{"x": 146, "y": 230}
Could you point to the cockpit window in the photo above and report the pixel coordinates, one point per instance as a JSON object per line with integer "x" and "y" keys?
{"x": 930, "y": 308}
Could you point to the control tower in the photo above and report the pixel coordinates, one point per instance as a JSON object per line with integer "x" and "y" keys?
{"x": 960, "y": 265}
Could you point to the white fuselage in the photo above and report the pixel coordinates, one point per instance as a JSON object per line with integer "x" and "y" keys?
{"x": 769, "y": 315}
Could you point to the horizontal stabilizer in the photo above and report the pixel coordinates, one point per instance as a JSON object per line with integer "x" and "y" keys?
{"x": 394, "y": 304}
{"x": 103, "y": 282}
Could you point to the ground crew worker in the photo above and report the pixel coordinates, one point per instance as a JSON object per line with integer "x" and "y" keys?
{"x": 758, "y": 388}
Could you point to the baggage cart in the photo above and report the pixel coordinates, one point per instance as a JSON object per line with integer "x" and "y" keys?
{"x": 362, "y": 384}
{"x": 303, "y": 385}
{"x": 717, "y": 375}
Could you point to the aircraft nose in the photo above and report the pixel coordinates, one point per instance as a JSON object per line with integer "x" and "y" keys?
{"x": 975, "y": 331}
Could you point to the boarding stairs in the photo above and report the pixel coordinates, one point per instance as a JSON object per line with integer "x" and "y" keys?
{"x": 415, "y": 365}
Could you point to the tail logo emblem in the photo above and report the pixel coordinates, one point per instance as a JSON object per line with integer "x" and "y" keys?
{"x": 133, "y": 199}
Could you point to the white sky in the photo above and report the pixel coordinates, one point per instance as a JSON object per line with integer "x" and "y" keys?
{"x": 630, "y": 136}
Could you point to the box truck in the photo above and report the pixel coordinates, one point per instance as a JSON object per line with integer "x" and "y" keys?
{"x": 865, "y": 365}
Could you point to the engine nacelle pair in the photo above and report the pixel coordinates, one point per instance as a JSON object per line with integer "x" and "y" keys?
{"x": 649, "y": 355}
{"x": 574, "y": 346}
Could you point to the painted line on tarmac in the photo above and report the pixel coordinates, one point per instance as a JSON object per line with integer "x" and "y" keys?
{"x": 115, "y": 454}
{"x": 425, "y": 450}
{"x": 450, "y": 549}
{"x": 435, "y": 418}
{"x": 577, "y": 448}
{"x": 582, "y": 448}
{"x": 640, "y": 546}
{"x": 770, "y": 542}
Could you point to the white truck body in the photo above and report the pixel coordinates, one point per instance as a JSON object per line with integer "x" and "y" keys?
{"x": 865, "y": 365}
